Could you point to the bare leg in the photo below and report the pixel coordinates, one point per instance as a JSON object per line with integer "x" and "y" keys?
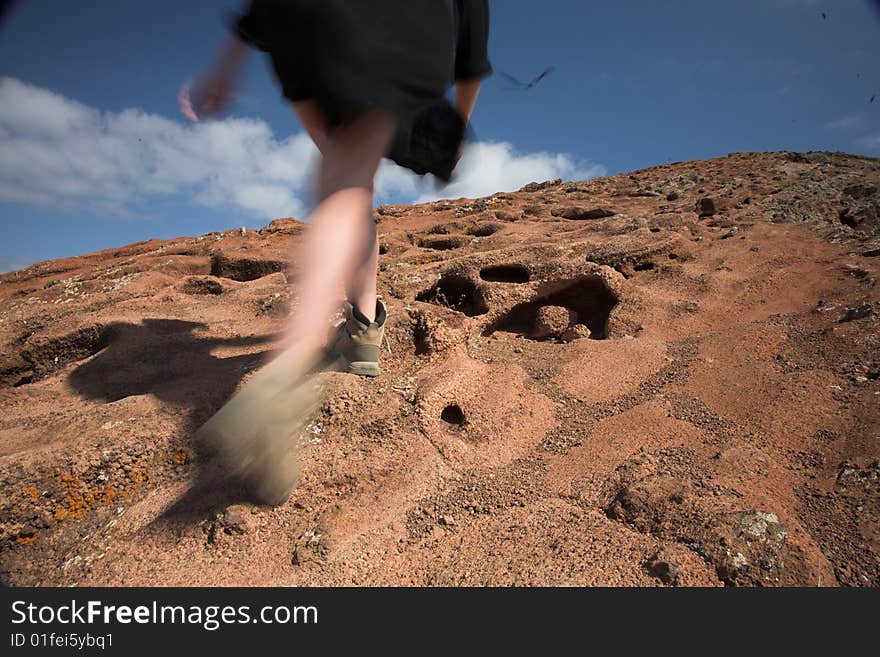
{"x": 340, "y": 240}
{"x": 251, "y": 433}
{"x": 360, "y": 287}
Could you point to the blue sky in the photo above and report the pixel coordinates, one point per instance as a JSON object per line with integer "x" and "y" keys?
{"x": 95, "y": 153}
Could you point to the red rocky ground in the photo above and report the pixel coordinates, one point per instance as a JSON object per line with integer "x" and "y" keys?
{"x": 669, "y": 377}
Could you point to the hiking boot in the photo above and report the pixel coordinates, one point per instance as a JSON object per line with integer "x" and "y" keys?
{"x": 254, "y": 435}
{"x": 355, "y": 341}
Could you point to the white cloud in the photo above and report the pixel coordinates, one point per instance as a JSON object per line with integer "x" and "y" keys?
{"x": 62, "y": 154}
{"x": 487, "y": 168}
{"x": 59, "y": 153}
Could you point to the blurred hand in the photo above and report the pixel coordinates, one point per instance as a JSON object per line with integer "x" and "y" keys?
{"x": 186, "y": 104}
{"x": 209, "y": 96}
{"x": 215, "y": 91}
{"x": 464, "y": 137}
{"x": 458, "y": 154}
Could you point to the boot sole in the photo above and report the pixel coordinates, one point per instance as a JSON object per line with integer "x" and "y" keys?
{"x": 361, "y": 368}
{"x": 253, "y": 435}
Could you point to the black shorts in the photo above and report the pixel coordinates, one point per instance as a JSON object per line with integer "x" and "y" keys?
{"x": 396, "y": 55}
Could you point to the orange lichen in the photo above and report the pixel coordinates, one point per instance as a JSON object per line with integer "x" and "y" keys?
{"x": 138, "y": 477}
{"x": 77, "y": 502}
{"x": 77, "y": 505}
{"x": 69, "y": 481}
{"x": 79, "y": 499}
{"x": 108, "y": 495}
{"x": 180, "y": 457}
{"x": 26, "y": 540}
{"x": 31, "y": 492}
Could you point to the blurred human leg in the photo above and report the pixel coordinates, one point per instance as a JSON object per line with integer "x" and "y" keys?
{"x": 360, "y": 288}
{"x": 339, "y": 244}
{"x": 252, "y": 433}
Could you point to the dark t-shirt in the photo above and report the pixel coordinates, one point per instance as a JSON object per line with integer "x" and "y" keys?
{"x": 397, "y": 55}
{"x": 472, "y": 39}
{"x": 263, "y": 26}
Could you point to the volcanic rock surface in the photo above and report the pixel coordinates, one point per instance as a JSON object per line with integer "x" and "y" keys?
{"x": 670, "y": 377}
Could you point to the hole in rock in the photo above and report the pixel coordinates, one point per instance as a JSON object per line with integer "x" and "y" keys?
{"x": 849, "y": 218}
{"x": 202, "y": 286}
{"x": 646, "y": 265}
{"x": 483, "y": 230}
{"x": 443, "y": 243}
{"x": 458, "y": 293}
{"x": 623, "y": 270}
{"x": 244, "y": 269}
{"x": 589, "y": 297}
{"x": 53, "y": 354}
{"x": 506, "y": 274}
{"x": 24, "y": 380}
{"x": 422, "y": 338}
{"x": 452, "y": 414}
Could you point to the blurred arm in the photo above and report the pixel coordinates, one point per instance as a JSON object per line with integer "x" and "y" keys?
{"x": 314, "y": 121}
{"x": 466, "y": 92}
{"x": 232, "y": 56}
{"x": 214, "y": 89}
{"x": 471, "y": 53}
